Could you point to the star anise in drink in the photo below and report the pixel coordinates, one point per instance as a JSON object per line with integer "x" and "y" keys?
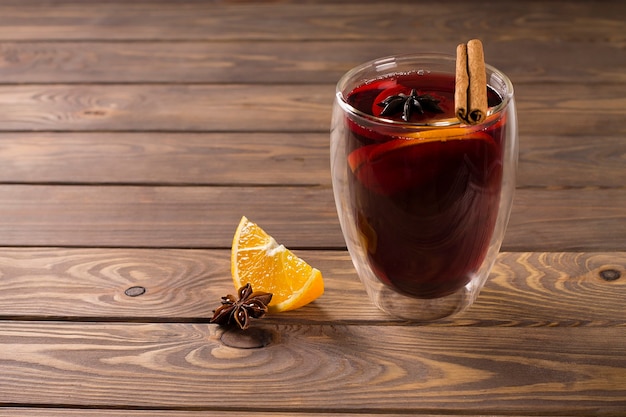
{"x": 407, "y": 104}
{"x": 251, "y": 304}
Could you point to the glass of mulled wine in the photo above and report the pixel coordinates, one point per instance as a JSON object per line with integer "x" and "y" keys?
{"x": 423, "y": 199}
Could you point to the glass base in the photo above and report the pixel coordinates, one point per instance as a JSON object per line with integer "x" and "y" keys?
{"x": 421, "y": 309}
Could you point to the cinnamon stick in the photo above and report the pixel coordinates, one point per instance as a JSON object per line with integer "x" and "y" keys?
{"x": 470, "y": 95}
{"x": 461, "y": 83}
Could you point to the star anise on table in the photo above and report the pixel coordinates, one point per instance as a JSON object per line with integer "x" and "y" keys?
{"x": 407, "y": 104}
{"x": 251, "y": 304}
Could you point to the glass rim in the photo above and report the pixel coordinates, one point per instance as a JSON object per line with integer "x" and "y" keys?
{"x": 427, "y": 57}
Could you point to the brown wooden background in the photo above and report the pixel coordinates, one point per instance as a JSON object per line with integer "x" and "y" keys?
{"x": 134, "y": 135}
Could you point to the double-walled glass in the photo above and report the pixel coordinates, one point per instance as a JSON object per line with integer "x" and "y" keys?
{"x": 423, "y": 206}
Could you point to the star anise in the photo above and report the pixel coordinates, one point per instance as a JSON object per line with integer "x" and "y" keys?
{"x": 407, "y": 104}
{"x": 251, "y": 304}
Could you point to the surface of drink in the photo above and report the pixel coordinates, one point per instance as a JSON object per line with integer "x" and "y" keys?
{"x": 426, "y": 203}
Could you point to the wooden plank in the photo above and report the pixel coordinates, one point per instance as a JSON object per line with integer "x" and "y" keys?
{"x": 165, "y": 158}
{"x": 524, "y": 60}
{"x": 68, "y": 412}
{"x": 105, "y": 412}
{"x": 571, "y": 161}
{"x": 573, "y": 220}
{"x": 354, "y": 368}
{"x": 170, "y": 107}
{"x": 572, "y": 110}
{"x": 546, "y": 109}
{"x": 141, "y": 20}
{"x": 163, "y": 216}
{"x": 300, "y": 217}
{"x": 185, "y": 217}
{"x": 263, "y": 158}
{"x": 524, "y": 290}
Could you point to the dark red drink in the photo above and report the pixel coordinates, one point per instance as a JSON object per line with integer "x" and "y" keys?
{"x": 425, "y": 203}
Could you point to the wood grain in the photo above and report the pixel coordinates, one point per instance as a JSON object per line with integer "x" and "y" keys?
{"x": 165, "y": 158}
{"x": 181, "y": 366}
{"x": 325, "y": 20}
{"x": 106, "y": 412}
{"x": 300, "y": 217}
{"x": 572, "y": 161}
{"x": 573, "y": 219}
{"x": 314, "y": 62}
{"x": 545, "y": 109}
{"x": 525, "y": 289}
{"x": 227, "y": 158}
{"x": 185, "y": 217}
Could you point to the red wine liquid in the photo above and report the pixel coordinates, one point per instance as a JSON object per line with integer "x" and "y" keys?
{"x": 425, "y": 210}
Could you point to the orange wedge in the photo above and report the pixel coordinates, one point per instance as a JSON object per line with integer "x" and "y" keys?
{"x": 257, "y": 258}
{"x": 361, "y": 155}
{"x": 391, "y": 166}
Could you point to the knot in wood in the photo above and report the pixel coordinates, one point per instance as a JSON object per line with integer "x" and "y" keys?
{"x": 135, "y": 291}
{"x": 610, "y": 274}
{"x": 95, "y": 113}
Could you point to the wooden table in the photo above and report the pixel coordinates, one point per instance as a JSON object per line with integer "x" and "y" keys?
{"x": 134, "y": 135}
